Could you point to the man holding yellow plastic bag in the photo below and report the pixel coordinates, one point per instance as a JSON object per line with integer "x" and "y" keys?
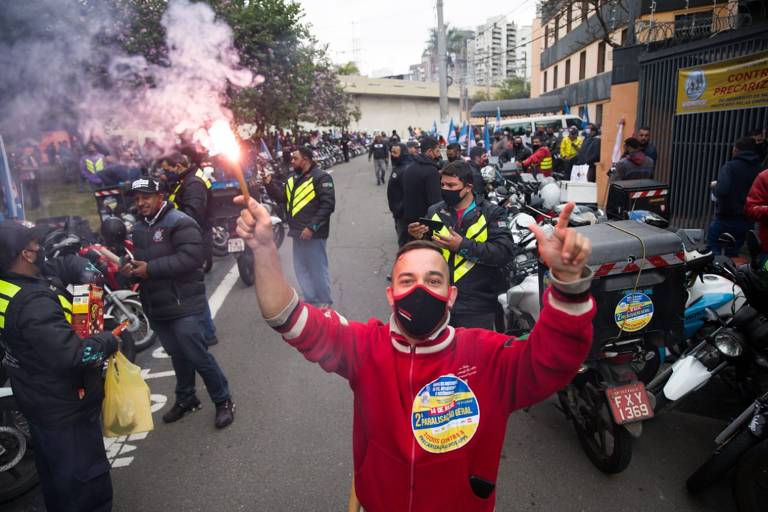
{"x": 55, "y": 376}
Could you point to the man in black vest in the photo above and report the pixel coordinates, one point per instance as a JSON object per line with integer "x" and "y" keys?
{"x": 55, "y": 376}
{"x": 168, "y": 248}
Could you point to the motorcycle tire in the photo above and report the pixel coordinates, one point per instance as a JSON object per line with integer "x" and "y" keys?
{"x": 245, "y": 267}
{"x": 220, "y": 241}
{"x": 17, "y": 461}
{"x": 750, "y": 479}
{"x": 145, "y": 337}
{"x": 594, "y": 441}
{"x": 721, "y": 462}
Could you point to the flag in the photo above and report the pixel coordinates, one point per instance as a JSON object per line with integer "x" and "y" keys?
{"x": 451, "y": 133}
{"x": 264, "y": 150}
{"x": 566, "y": 108}
{"x": 434, "y": 128}
{"x": 13, "y": 203}
{"x": 486, "y": 138}
{"x": 470, "y": 138}
{"x": 278, "y": 146}
{"x": 584, "y": 116}
{"x": 616, "y": 155}
{"x": 463, "y": 133}
{"x": 497, "y": 128}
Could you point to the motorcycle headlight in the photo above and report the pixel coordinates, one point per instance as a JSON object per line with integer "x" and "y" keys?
{"x": 729, "y": 343}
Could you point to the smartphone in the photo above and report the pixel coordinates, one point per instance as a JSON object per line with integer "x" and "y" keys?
{"x": 434, "y": 225}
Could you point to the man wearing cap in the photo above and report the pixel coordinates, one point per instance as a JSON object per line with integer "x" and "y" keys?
{"x": 168, "y": 248}
{"x": 55, "y": 376}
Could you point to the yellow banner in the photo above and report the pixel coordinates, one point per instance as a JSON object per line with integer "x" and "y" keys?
{"x": 726, "y": 85}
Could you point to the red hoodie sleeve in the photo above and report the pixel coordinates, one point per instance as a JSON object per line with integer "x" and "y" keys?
{"x": 545, "y": 362}
{"x": 323, "y": 336}
{"x": 756, "y": 206}
{"x": 537, "y": 157}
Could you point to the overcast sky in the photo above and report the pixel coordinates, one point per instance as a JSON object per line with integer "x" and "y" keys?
{"x": 391, "y": 34}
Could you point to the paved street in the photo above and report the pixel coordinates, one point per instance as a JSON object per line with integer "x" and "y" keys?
{"x": 290, "y": 446}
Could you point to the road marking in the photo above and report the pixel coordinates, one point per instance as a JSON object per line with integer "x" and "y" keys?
{"x": 225, "y": 286}
{"x": 160, "y": 353}
{"x": 146, "y": 375}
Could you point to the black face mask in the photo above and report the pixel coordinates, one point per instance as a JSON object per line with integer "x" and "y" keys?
{"x": 419, "y": 312}
{"x": 535, "y": 146}
{"x": 451, "y": 197}
{"x": 452, "y": 158}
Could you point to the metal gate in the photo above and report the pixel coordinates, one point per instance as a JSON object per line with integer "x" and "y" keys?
{"x": 693, "y": 147}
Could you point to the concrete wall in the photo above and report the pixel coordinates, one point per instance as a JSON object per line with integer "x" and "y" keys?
{"x": 389, "y": 113}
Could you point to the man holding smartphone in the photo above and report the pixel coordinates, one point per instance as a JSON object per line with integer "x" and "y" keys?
{"x": 168, "y": 247}
{"x": 475, "y": 242}
{"x": 432, "y": 402}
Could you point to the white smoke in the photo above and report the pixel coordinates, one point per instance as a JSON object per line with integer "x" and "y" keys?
{"x": 187, "y": 94}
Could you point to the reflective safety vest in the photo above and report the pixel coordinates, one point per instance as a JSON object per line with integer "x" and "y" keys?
{"x": 9, "y": 290}
{"x": 459, "y": 265}
{"x": 94, "y": 167}
{"x": 299, "y": 198}
{"x": 200, "y": 174}
{"x": 546, "y": 164}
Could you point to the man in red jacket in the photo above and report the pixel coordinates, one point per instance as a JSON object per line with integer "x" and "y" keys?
{"x": 431, "y": 402}
{"x": 756, "y": 206}
{"x": 541, "y": 159}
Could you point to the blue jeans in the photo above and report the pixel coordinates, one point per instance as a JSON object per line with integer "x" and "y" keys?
{"x": 736, "y": 227}
{"x": 310, "y": 262}
{"x": 183, "y": 340}
{"x": 206, "y": 321}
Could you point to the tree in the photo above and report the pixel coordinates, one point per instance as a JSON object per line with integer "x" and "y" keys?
{"x": 350, "y": 68}
{"x": 603, "y": 16}
{"x": 513, "y": 88}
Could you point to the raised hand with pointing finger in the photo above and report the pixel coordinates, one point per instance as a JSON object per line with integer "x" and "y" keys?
{"x": 565, "y": 251}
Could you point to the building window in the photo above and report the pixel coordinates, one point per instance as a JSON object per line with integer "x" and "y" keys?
{"x": 557, "y": 27}
{"x": 583, "y": 65}
{"x": 545, "y": 81}
{"x": 567, "y": 71}
{"x": 601, "y": 57}
{"x": 554, "y": 78}
{"x": 546, "y": 36}
{"x": 687, "y": 25}
{"x": 599, "y": 114}
{"x": 569, "y": 18}
{"x": 584, "y": 11}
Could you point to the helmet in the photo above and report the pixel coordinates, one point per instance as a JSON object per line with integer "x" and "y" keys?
{"x": 550, "y": 195}
{"x": 59, "y": 243}
{"x": 113, "y": 231}
{"x": 489, "y": 173}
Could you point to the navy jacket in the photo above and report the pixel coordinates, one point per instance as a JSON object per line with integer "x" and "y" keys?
{"x": 733, "y": 184}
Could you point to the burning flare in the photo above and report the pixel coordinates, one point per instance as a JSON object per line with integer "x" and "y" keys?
{"x": 220, "y": 139}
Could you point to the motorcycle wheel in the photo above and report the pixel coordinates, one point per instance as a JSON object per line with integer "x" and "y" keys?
{"x": 220, "y": 240}
{"x": 750, "y": 480}
{"x": 608, "y": 445}
{"x": 144, "y": 337}
{"x": 721, "y": 462}
{"x": 245, "y": 267}
{"x": 18, "y": 473}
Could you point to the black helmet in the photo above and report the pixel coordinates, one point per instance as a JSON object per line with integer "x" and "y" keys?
{"x": 113, "y": 231}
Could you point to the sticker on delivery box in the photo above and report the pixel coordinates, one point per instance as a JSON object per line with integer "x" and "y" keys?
{"x": 633, "y": 312}
{"x": 445, "y": 415}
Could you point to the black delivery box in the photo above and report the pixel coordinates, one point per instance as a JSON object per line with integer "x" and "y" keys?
{"x": 651, "y": 308}
{"x": 627, "y": 195}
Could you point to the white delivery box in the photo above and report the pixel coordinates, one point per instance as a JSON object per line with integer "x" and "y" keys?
{"x": 578, "y": 192}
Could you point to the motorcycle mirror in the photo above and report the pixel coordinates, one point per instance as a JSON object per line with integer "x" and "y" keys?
{"x": 726, "y": 240}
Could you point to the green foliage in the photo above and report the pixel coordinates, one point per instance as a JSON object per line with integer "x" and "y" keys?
{"x": 512, "y": 89}
{"x": 350, "y": 68}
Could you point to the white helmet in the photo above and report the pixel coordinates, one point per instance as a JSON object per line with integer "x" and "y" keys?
{"x": 550, "y": 195}
{"x": 489, "y": 173}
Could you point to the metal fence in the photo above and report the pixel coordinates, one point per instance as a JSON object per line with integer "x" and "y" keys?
{"x": 693, "y": 147}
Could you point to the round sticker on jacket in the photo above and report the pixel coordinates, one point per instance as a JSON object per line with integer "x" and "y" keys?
{"x": 633, "y": 312}
{"x": 445, "y": 415}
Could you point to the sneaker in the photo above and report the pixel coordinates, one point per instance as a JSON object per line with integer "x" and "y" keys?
{"x": 211, "y": 341}
{"x": 181, "y": 409}
{"x": 225, "y": 413}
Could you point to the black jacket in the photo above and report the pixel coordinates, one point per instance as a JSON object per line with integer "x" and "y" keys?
{"x": 651, "y": 152}
{"x": 395, "y": 184}
{"x": 192, "y": 195}
{"x": 733, "y": 184}
{"x": 312, "y": 203}
{"x": 379, "y": 150}
{"x": 519, "y": 153}
{"x": 55, "y": 375}
{"x": 480, "y": 286}
{"x": 172, "y": 246}
{"x": 421, "y": 186}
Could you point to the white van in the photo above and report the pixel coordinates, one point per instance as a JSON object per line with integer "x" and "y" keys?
{"x": 522, "y": 125}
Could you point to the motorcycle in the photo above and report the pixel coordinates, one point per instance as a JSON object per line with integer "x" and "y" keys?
{"x": 18, "y": 473}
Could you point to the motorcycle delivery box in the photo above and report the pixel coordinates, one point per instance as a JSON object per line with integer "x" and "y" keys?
{"x": 629, "y": 195}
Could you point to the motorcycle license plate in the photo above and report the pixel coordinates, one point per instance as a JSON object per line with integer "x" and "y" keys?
{"x": 235, "y": 245}
{"x": 629, "y": 403}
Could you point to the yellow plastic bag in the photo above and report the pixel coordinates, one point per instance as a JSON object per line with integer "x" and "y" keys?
{"x": 126, "y": 408}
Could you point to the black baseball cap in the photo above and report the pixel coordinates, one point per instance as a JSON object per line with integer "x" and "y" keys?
{"x": 14, "y": 237}
{"x": 476, "y": 151}
{"x": 147, "y": 185}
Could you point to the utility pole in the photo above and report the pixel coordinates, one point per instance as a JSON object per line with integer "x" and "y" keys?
{"x": 442, "y": 61}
